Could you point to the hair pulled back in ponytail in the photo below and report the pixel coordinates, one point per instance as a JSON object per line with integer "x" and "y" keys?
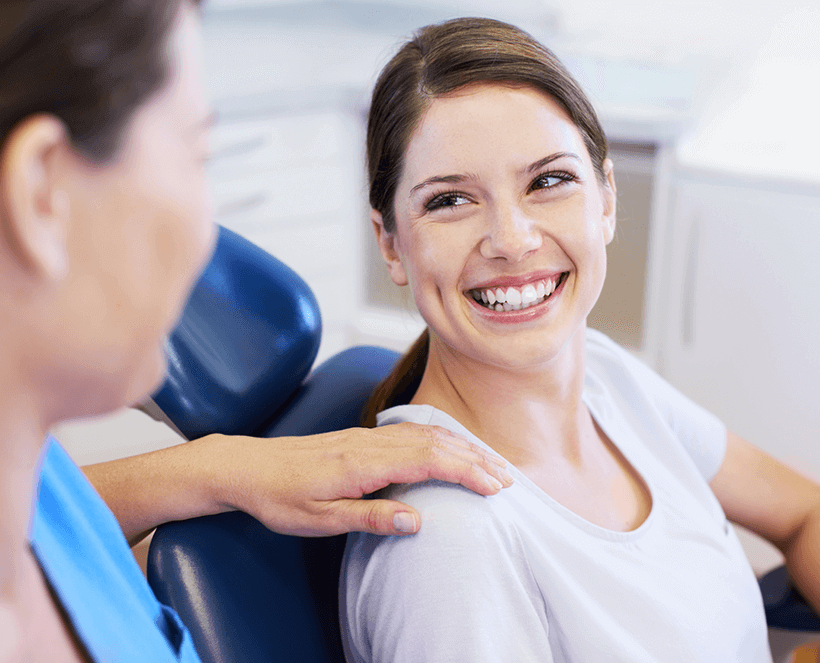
{"x": 402, "y": 383}
{"x": 440, "y": 59}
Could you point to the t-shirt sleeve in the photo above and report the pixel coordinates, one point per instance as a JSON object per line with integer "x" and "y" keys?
{"x": 700, "y": 432}
{"x": 458, "y": 590}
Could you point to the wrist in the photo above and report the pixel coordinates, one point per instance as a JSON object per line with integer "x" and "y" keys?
{"x": 213, "y": 477}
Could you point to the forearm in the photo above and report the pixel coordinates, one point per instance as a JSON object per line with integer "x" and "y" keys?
{"x": 147, "y": 490}
{"x": 307, "y": 486}
{"x": 803, "y": 559}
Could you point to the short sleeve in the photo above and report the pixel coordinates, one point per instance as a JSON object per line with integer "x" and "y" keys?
{"x": 458, "y": 590}
{"x": 700, "y": 432}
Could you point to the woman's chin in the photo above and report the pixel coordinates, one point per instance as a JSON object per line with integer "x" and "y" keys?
{"x": 147, "y": 377}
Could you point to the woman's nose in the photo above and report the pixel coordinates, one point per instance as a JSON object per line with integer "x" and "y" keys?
{"x": 511, "y": 235}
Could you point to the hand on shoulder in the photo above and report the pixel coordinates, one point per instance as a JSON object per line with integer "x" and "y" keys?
{"x": 312, "y": 486}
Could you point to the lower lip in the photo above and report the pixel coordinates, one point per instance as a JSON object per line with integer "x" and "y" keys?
{"x": 523, "y": 315}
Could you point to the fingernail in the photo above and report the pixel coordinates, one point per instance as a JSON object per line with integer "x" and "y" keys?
{"x": 404, "y": 522}
{"x": 506, "y": 477}
{"x": 494, "y": 483}
{"x": 498, "y": 460}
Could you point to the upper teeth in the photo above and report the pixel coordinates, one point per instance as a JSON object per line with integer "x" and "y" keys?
{"x": 513, "y": 299}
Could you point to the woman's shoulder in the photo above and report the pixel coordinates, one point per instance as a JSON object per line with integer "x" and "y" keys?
{"x": 610, "y": 367}
{"x": 603, "y": 352}
{"x": 618, "y": 381}
{"x": 448, "y": 510}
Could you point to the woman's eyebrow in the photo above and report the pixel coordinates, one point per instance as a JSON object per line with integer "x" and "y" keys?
{"x": 449, "y": 179}
{"x": 455, "y": 179}
{"x": 538, "y": 165}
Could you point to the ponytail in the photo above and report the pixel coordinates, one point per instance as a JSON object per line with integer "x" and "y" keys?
{"x": 402, "y": 383}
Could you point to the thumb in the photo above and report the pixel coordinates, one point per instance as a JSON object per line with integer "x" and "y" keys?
{"x": 385, "y": 517}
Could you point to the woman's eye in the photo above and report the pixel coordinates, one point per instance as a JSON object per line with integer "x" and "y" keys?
{"x": 449, "y": 199}
{"x": 551, "y": 180}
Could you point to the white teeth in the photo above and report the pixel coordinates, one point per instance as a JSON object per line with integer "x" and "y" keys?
{"x": 512, "y": 299}
{"x": 528, "y": 295}
{"x": 513, "y": 296}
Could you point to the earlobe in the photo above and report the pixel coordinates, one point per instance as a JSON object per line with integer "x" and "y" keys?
{"x": 610, "y": 199}
{"x": 387, "y": 246}
{"x": 34, "y": 208}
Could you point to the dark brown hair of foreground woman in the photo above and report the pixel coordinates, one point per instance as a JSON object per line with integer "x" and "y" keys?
{"x": 90, "y": 63}
{"x": 441, "y": 59}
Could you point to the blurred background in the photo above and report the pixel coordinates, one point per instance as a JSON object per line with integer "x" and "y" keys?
{"x": 711, "y": 108}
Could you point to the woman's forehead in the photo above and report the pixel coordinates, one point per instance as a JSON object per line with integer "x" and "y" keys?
{"x": 485, "y": 122}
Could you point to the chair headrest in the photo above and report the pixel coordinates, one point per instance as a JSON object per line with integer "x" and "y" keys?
{"x": 245, "y": 342}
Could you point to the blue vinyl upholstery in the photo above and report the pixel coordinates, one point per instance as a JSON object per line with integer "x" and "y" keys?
{"x": 238, "y": 364}
{"x": 245, "y": 342}
{"x": 785, "y": 607}
{"x": 250, "y": 595}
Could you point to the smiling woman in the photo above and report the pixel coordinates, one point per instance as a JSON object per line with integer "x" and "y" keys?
{"x": 494, "y": 200}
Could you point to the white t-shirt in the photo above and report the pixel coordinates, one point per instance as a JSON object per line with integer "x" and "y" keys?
{"x": 519, "y": 577}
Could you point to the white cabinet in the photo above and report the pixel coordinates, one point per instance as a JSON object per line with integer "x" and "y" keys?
{"x": 743, "y": 296}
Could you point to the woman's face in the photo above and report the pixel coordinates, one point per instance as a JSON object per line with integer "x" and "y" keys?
{"x": 141, "y": 230}
{"x": 501, "y": 225}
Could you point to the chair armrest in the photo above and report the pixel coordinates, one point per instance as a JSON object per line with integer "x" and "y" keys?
{"x": 249, "y": 595}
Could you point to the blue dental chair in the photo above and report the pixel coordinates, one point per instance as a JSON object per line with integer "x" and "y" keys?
{"x": 239, "y": 363}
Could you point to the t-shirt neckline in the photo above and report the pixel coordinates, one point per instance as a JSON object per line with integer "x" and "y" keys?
{"x": 567, "y": 513}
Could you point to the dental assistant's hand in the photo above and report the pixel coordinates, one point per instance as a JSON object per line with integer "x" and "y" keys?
{"x": 311, "y": 486}
{"x": 307, "y": 486}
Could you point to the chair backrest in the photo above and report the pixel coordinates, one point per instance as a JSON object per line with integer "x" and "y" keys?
{"x": 245, "y": 342}
{"x": 239, "y": 358}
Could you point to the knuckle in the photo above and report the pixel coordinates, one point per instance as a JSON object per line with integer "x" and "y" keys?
{"x": 371, "y": 519}
{"x": 438, "y": 438}
{"x": 434, "y": 454}
{"x": 473, "y": 470}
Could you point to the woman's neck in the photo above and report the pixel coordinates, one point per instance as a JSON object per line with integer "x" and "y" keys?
{"x": 22, "y": 434}
{"x": 521, "y": 414}
{"x": 31, "y": 626}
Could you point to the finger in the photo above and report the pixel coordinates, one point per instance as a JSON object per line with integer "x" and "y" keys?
{"x": 457, "y": 470}
{"x": 450, "y": 443}
{"x": 476, "y": 462}
{"x": 384, "y": 517}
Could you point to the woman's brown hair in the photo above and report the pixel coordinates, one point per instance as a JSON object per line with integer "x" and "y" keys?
{"x": 438, "y": 60}
{"x": 91, "y": 63}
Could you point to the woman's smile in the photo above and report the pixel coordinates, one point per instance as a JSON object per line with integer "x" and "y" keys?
{"x": 504, "y": 298}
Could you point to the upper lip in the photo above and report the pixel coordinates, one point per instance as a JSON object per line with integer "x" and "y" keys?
{"x": 517, "y": 281}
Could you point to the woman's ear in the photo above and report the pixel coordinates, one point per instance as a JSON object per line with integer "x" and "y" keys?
{"x": 609, "y": 192}
{"x": 387, "y": 245}
{"x": 34, "y": 208}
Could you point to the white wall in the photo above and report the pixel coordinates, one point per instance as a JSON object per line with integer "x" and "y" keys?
{"x": 757, "y": 107}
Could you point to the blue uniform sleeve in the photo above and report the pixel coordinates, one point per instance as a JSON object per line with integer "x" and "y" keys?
{"x": 86, "y": 559}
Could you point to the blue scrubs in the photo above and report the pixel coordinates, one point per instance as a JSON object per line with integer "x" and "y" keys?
{"x": 86, "y": 559}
